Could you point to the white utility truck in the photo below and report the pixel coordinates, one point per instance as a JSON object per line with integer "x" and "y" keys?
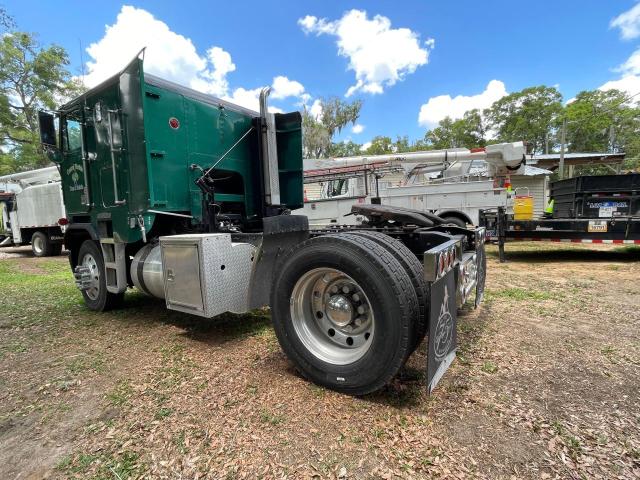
{"x": 30, "y": 207}
{"x": 454, "y": 184}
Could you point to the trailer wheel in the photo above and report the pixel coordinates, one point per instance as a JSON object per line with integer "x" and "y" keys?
{"x": 416, "y": 273}
{"x": 343, "y": 311}
{"x": 40, "y": 244}
{"x": 458, "y": 222}
{"x": 96, "y": 297}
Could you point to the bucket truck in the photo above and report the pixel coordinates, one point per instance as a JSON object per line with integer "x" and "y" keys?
{"x": 454, "y": 184}
{"x": 30, "y": 207}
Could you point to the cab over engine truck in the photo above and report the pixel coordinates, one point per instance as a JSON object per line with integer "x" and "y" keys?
{"x": 187, "y": 197}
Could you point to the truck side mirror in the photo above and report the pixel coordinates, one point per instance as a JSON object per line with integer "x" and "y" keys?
{"x": 48, "y": 136}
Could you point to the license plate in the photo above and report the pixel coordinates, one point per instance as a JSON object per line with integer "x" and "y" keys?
{"x": 597, "y": 226}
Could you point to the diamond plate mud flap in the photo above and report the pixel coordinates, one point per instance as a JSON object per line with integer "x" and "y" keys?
{"x": 442, "y": 328}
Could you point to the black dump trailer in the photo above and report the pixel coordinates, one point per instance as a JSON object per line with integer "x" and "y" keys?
{"x": 589, "y": 209}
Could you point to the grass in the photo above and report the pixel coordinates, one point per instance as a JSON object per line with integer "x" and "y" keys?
{"x": 522, "y": 294}
{"x": 121, "y": 466}
{"x": 121, "y": 393}
{"x": 489, "y": 367}
{"x": 32, "y": 297}
{"x": 163, "y": 413}
{"x": 271, "y": 418}
{"x": 94, "y": 362}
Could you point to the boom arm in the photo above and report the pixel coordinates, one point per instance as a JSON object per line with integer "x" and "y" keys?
{"x": 502, "y": 159}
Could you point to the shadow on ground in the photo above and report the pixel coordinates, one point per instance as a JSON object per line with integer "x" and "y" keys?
{"x": 141, "y": 309}
{"x": 623, "y": 254}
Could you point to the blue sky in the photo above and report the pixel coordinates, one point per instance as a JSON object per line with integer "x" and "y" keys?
{"x": 570, "y": 44}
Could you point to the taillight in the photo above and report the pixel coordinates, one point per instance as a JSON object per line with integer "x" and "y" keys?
{"x": 63, "y": 221}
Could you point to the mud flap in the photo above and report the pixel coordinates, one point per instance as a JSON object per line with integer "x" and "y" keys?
{"x": 442, "y": 328}
{"x": 481, "y": 262}
{"x": 280, "y": 234}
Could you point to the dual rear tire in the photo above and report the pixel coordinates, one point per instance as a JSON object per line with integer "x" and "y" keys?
{"x": 347, "y": 310}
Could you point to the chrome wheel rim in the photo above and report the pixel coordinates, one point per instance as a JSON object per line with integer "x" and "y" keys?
{"x": 94, "y": 288}
{"x": 38, "y": 245}
{"x": 332, "y": 316}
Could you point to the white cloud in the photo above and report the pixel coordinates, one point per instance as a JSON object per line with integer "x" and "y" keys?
{"x": 357, "y": 128}
{"x": 632, "y": 65}
{"x": 316, "y": 109}
{"x": 174, "y": 57}
{"x": 169, "y": 54}
{"x": 365, "y": 146}
{"x": 628, "y": 23}
{"x": 283, "y": 87}
{"x": 379, "y": 55}
{"x": 249, "y": 99}
{"x": 443, "y": 106}
{"x": 629, "y": 84}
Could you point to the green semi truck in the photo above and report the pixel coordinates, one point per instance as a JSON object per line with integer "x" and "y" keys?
{"x": 188, "y": 198}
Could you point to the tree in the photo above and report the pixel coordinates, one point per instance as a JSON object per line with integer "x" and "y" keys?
{"x": 318, "y": 131}
{"x": 600, "y": 121}
{"x": 531, "y": 115}
{"x": 31, "y": 78}
{"x": 6, "y": 21}
{"x": 345, "y": 149}
{"x": 380, "y": 145}
{"x": 466, "y": 132}
{"x": 603, "y": 121}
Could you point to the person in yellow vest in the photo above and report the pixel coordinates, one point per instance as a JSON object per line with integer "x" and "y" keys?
{"x": 548, "y": 211}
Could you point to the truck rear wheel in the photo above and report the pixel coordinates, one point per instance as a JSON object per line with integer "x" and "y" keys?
{"x": 96, "y": 296}
{"x": 343, "y": 311}
{"x": 416, "y": 273}
{"x": 40, "y": 244}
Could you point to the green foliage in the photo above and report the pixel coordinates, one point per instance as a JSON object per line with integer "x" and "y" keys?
{"x": 600, "y": 121}
{"x": 531, "y": 115}
{"x": 345, "y": 149}
{"x": 467, "y": 132}
{"x": 318, "y": 132}
{"x": 381, "y": 145}
{"x": 32, "y": 77}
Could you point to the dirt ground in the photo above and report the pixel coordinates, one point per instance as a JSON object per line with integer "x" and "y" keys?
{"x": 546, "y": 385}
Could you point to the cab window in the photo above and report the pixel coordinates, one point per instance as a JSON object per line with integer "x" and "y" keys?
{"x": 72, "y": 134}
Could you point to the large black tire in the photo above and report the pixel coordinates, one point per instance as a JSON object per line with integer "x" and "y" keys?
{"x": 98, "y": 299}
{"x": 379, "y": 280}
{"x": 458, "y": 222}
{"x": 40, "y": 244}
{"x": 416, "y": 273}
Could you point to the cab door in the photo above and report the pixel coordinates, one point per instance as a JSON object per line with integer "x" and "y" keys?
{"x": 73, "y": 170}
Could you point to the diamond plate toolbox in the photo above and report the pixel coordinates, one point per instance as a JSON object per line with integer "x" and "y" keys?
{"x": 206, "y": 274}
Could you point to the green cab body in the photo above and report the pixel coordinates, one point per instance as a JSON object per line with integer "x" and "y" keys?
{"x": 133, "y": 147}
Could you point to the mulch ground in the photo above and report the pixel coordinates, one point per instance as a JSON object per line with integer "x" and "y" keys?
{"x": 545, "y": 385}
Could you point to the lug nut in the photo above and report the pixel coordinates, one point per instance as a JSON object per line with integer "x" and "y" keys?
{"x": 345, "y": 289}
{"x": 355, "y": 297}
{"x": 362, "y": 309}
